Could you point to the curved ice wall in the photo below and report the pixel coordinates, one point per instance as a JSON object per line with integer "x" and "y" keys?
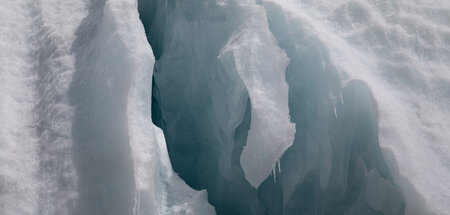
{"x": 265, "y": 107}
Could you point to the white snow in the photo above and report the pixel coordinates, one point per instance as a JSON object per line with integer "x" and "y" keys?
{"x": 18, "y": 140}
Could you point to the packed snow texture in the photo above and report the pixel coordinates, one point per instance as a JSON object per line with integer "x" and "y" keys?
{"x": 80, "y": 84}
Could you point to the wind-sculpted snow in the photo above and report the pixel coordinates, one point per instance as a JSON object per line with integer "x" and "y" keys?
{"x": 54, "y": 68}
{"x": 18, "y": 162}
{"x": 40, "y": 65}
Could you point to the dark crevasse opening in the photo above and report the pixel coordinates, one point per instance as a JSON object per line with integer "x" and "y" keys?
{"x": 156, "y": 108}
{"x": 335, "y": 165}
{"x": 199, "y": 102}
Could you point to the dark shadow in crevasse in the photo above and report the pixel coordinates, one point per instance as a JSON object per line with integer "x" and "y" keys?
{"x": 198, "y": 100}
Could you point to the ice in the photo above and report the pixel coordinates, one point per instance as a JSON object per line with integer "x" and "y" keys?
{"x": 208, "y": 56}
{"x": 108, "y": 61}
{"x": 202, "y": 104}
{"x": 158, "y": 188}
{"x": 261, "y": 64}
{"x": 224, "y": 106}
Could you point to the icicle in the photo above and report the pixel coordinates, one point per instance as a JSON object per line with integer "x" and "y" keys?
{"x": 323, "y": 62}
{"x": 274, "y": 175}
{"x": 274, "y": 171}
{"x": 279, "y": 167}
{"x": 335, "y": 114}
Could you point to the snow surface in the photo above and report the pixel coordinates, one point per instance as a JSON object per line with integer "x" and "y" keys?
{"x": 18, "y": 140}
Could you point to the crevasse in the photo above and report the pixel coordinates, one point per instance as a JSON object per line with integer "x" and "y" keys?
{"x": 224, "y": 107}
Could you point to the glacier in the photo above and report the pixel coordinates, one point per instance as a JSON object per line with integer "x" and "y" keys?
{"x": 203, "y": 107}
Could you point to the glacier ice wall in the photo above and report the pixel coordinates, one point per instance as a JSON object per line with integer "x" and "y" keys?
{"x": 150, "y": 185}
{"x": 208, "y": 56}
{"x": 263, "y": 107}
{"x": 320, "y": 61}
{"x": 197, "y": 45}
{"x": 158, "y": 189}
{"x": 187, "y": 74}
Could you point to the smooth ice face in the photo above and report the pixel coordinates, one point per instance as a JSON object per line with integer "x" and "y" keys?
{"x": 158, "y": 189}
{"x": 261, "y": 64}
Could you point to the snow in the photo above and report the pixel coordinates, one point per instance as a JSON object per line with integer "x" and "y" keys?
{"x": 18, "y": 140}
